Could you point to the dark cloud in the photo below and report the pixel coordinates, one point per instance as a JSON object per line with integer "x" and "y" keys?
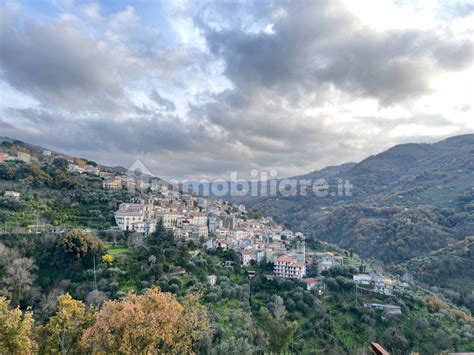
{"x": 319, "y": 43}
{"x": 60, "y": 65}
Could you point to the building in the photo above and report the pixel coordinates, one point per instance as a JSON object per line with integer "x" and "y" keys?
{"x": 47, "y": 153}
{"x": 301, "y": 252}
{"x": 229, "y": 222}
{"x": 314, "y": 284}
{"x": 112, "y": 184}
{"x": 247, "y": 257}
{"x": 211, "y": 280}
{"x": 128, "y": 214}
{"x": 12, "y": 194}
{"x": 362, "y": 279}
{"x": 199, "y": 219}
{"x": 379, "y": 284}
{"x": 93, "y": 170}
{"x": 169, "y": 219}
{"x": 329, "y": 260}
{"x": 288, "y": 267}
{"x": 144, "y": 227}
{"x": 73, "y": 168}
{"x": 387, "y": 308}
{"x": 24, "y": 157}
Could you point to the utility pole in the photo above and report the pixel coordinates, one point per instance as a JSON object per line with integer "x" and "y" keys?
{"x": 95, "y": 274}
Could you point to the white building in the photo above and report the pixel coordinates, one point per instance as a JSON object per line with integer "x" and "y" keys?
{"x": 169, "y": 219}
{"x": 212, "y": 279}
{"x": 73, "y": 168}
{"x": 128, "y": 214}
{"x": 380, "y": 284}
{"x": 362, "y": 279}
{"x": 12, "y": 194}
{"x": 144, "y": 227}
{"x": 288, "y": 267}
{"x": 247, "y": 257}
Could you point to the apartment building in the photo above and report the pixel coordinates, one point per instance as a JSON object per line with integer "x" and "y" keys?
{"x": 288, "y": 267}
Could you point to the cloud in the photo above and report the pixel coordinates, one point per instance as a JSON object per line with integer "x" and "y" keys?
{"x": 69, "y": 70}
{"x": 320, "y": 43}
{"x": 218, "y": 87}
{"x": 163, "y": 103}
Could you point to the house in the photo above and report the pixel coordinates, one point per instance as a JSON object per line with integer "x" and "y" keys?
{"x": 362, "y": 279}
{"x": 24, "y": 157}
{"x": 379, "y": 283}
{"x": 93, "y": 170}
{"x": 327, "y": 261}
{"x": 314, "y": 284}
{"x": 387, "y": 308}
{"x": 73, "y": 168}
{"x": 288, "y": 267}
{"x": 12, "y": 194}
{"x": 211, "y": 280}
{"x": 247, "y": 257}
{"x": 113, "y": 184}
{"x": 47, "y": 153}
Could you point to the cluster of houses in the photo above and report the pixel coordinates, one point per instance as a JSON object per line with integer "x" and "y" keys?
{"x": 217, "y": 224}
{"x": 378, "y": 283}
{"x": 74, "y": 165}
{"x": 20, "y": 156}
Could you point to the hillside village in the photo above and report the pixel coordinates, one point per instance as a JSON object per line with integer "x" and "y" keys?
{"x": 212, "y": 223}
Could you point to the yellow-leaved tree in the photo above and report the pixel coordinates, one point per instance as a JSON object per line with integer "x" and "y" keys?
{"x": 16, "y": 330}
{"x": 65, "y": 329}
{"x": 154, "y": 322}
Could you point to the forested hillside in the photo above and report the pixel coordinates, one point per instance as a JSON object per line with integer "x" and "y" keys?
{"x": 407, "y": 202}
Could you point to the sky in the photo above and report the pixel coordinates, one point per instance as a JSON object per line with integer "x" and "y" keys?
{"x": 197, "y": 89}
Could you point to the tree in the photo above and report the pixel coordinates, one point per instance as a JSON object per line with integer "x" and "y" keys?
{"x": 19, "y": 278}
{"x": 108, "y": 259}
{"x": 80, "y": 243}
{"x": 160, "y": 235}
{"x": 154, "y": 322}
{"x": 16, "y": 330}
{"x": 96, "y": 298}
{"x": 279, "y": 331}
{"x": 64, "y": 330}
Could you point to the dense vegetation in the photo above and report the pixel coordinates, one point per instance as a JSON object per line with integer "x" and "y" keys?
{"x": 407, "y": 202}
{"x": 53, "y": 196}
{"x": 70, "y": 275}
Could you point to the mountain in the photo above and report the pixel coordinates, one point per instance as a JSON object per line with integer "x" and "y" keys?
{"x": 408, "y": 202}
{"x": 406, "y": 175}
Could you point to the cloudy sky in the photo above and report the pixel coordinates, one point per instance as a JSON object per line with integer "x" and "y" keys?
{"x": 201, "y": 88}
